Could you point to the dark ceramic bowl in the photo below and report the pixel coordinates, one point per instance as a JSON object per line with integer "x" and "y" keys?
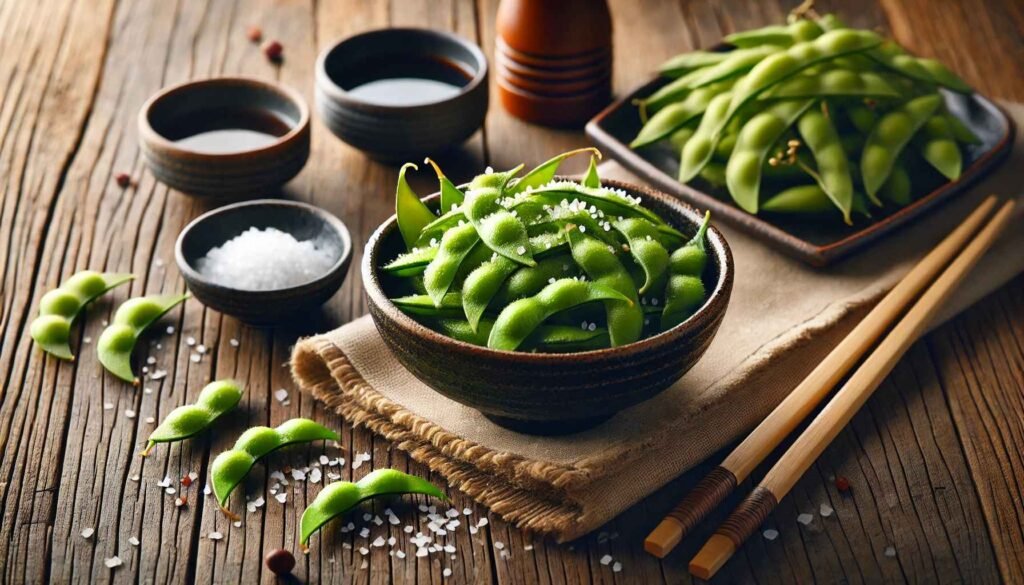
{"x": 303, "y": 221}
{"x": 551, "y": 393}
{"x": 400, "y": 132}
{"x": 244, "y": 172}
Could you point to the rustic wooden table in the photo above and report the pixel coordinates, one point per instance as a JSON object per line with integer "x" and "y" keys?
{"x": 935, "y": 458}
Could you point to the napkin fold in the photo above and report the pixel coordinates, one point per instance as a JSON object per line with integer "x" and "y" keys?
{"x": 784, "y": 317}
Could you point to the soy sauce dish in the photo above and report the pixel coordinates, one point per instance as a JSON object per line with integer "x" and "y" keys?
{"x": 402, "y": 93}
{"x": 226, "y": 137}
{"x": 266, "y": 260}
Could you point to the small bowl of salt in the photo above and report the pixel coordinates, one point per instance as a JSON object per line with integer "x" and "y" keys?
{"x": 265, "y": 260}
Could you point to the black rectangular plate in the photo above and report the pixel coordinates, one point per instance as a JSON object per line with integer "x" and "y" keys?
{"x": 816, "y": 242}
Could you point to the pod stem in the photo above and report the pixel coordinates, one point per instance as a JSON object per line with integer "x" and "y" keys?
{"x": 231, "y": 515}
{"x": 149, "y": 447}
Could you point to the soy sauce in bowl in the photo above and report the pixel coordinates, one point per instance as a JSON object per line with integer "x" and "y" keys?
{"x": 227, "y": 130}
{"x": 406, "y": 81}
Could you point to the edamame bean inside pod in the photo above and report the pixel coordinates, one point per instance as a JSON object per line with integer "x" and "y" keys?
{"x": 521, "y": 261}
{"x": 118, "y": 340}
{"x": 51, "y": 330}
{"x": 214, "y": 399}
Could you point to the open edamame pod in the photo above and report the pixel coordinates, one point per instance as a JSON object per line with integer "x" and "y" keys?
{"x": 888, "y": 138}
{"x": 231, "y": 467}
{"x": 215, "y": 399}
{"x": 341, "y": 496}
{"x": 117, "y": 341}
{"x": 51, "y": 330}
{"x": 411, "y": 213}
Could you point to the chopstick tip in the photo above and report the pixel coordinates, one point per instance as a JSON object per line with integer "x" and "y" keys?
{"x": 715, "y": 552}
{"x": 664, "y": 537}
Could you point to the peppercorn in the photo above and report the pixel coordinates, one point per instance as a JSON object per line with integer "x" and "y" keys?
{"x": 254, "y": 34}
{"x": 123, "y": 179}
{"x": 842, "y": 484}
{"x": 280, "y": 561}
{"x": 273, "y": 50}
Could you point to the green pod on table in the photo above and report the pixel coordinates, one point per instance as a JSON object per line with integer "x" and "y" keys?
{"x": 411, "y": 214}
{"x": 676, "y": 115}
{"x": 231, "y": 467}
{"x": 889, "y": 137}
{"x": 451, "y": 196}
{"x": 833, "y": 83}
{"x": 214, "y": 399}
{"x": 625, "y": 319}
{"x": 645, "y": 248}
{"x": 738, "y": 62}
{"x": 684, "y": 63}
{"x": 455, "y": 245}
{"x": 758, "y": 135}
{"x": 341, "y": 496}
{"x": 938, "y": 146}
{"x": 684, "y": 292}
{"x": 783, "y": 35}
{"x": 118, "y": 340}
{"x": 545, "y": 172}
{"x": 59, "y": 307}
{"x": 521, "y": 318}
{"x": 833, "y": 169}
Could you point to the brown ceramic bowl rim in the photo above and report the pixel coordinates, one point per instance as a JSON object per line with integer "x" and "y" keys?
{"x": 717, "y": 246}
{"x": 328, "y": 85}
{"x": 151, "y": 136}
{"x": 191, "y": 274}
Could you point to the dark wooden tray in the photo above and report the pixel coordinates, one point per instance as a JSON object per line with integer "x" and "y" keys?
{"x": 818, "y": 243}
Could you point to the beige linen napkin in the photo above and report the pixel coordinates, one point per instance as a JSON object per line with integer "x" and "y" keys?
{"x": 783, "y": 318}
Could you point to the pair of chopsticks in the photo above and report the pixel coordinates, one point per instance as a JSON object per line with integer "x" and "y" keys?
{"x": 943, "y": 268}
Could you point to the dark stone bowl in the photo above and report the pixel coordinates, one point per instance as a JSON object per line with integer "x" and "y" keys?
{"x": 552, "y": 393}
{"x": 236, "y": 175}
{"x": 401, "y": 133}
{"x": 260, "y": 307}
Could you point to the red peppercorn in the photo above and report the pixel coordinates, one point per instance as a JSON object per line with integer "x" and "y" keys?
{"x": 842, "y": 484}
{"x": 254, "y": 33}
{"x": 273, "y": 50}
{"x": 123, "y": 179}
{"x": 186, "y": 480}
{"x": 280, "y": 561}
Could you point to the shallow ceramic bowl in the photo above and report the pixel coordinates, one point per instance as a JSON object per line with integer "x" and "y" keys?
{"x": 303, "y": 221}
{"x": 406, "y": 132}
{"x": 244, "y": 174}
{"x": 551, "y": 393}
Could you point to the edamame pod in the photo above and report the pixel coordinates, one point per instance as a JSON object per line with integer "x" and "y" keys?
{"x": 51, "y": 330}
{"x": 893, "y": 57}
{"x": 676, "y": 115}
{"x": 215, "y": 399}
{"x": 451, "y": 196}
{"x": 939, "y": 148}
{"x": 743, "y": 171}
{"x": 591, "y": 179}
{"x": 231, "y": 467}
{"x": 521, "y": 318}
{"x": 483, "y": 283}
{"x": 545, "y": 172}
{"x": 423, "y": 305}
{"x": 686, "y": 62}
{"x": 822, "y": 139}
{"x": 701, "y": 145}
{"x": 781, "y": 35}
{"x": 833, "y": 83}
{"x": 411, "y": 213}
{"x": 888, "y": 138}
{"x": 498, "y": 227}
{"x": 809, "y": 200}
{"x": 684, "y": 292}
{"x": 625, "y": 320}
{"x": 530, "y": 280}
{"x": 645, "y": 248}
{"x": 547, "y": 338}
{"x": 341, "y": 496}
{"x": 898, "y": 187}
{"x": 611, "y": 202}
{"x": 117, "y": 341}
{"x": 738, "y": 62}
{"x": 455, "y": 245}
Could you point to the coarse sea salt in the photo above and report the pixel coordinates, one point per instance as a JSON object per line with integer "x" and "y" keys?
{"x": 266, "y": 259}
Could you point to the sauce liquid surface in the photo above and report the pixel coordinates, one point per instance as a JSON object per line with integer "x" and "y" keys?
{"x": 413, "y": 82}
{"x": 227, "y": 130}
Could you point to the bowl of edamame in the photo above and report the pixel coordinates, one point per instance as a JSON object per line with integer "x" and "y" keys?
{"x": 547, "y": 304}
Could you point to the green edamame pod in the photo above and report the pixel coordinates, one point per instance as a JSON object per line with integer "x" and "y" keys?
{"x": 499, "y": 229}
{"x": 625, "y": 320}
{"x": 862, "y": 117}
{"x": 530, "y": 280}
{"x": 680, "y": 137}
{"x": 676, "y": 115}
{"x": 809, "y": 200}
{"x": 779, "y": 66}
{"x": 738, "y": 62}
{"x": 960, "y": 130}
{"x": 781, "y": 35}
{"x": 483, "y": 283}
{"x": 411, "y": 263}
{"x": 713, "y": 173}
{"x": 545, "y": 172}
{"x": 699, "y": 148}
{"x": 687, "y": 62}
{"x": 411, "y": 213}
{"x": 645, "y": 248}
{"x": 684, "y": 293}
{"x": 547, "y": 338}
{"x": 756, "y": 138}
{"x": 897, "y": 188}
{"x": 611, "y": 202}
{"x": 51, "y": 330}
{"x": 521, "y": 318}
{"x": 893, "y": 57}
{"x": 117, "y": 341}
{"x": 215, "y": 399}
{"x": 341, "y": 496}
{"x": 833, "y": 83}
{"x": 416, "y": 262}
{"x": 455, "y": 246}
{"x": 451, "y": 196}
{"x": 231, "y": 467}
{"x": 888, "y": 138}
{"x": 423, "y": 305}
{"x": 591, "y": 179}
{"x": 822, "y": 139}
{"x": 939, "y": 148}
{"x": 830, "y": 21}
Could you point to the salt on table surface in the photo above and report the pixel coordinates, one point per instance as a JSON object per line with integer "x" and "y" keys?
{"x": 265, "y": 259}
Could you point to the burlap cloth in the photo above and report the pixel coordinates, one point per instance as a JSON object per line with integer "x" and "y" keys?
{"x": 783, "y": 318}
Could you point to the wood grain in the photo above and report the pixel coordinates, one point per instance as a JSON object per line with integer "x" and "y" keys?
{"x": 934, "y": 458}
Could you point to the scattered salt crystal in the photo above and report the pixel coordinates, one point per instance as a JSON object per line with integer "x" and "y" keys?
{"x": 151, "y": 360}
{"x": 364, "y": 532}
{"x": 890, "y": 551}
{"x": 483, "y": 522}
{"x": 378, "y": 520}
{"x": 158, "y": 375}
{"x": 237, "y": 523}
{"x": 190, "y": 341}
{"x": 379, "y": 541}
{"x": 133, "y": 541}
{"x": 114, "y": 561}
{"x": 499, "y": 545}
{"x": 394, "y": 520}
{"x": 166, "y": 481}
{"x": 826, "y": 510}
{"x": 449, "y": 548}
{"x": 770, "y": 534}
{"x": 606, "y": 560}
{"x": 804, "y": 519}
{"x": 282, "y": 497}
{"x": 422, "y": 552}
{"x": 150, "y": 420}
{"x": 392, "y": 540}
{"x": 315, "y": 475}
{"x": 215, "y": 535}
{"x": 324, "y": 460}
{"x": 233, "y": 342}
{"x": 134, "y": 477}
{"x": 108, "y": 406}
{"x": 265, "y": 260}
{"x": 207, "y": 491}
{"x": 528, "y": 547}
{"x": 364, "y": 551}
{"x": 367, "y": 517}
{"x": 400, "y": 554}
{"x": 195, "y": 358}
{"x": 298, "y": 474}
{"x": 467, "y": 511}
{"x": 87, "y": 532}
{"x": 87, "y": 339}
{"x": 201, "y": 348}
{"x": 408, "y": 529}
{"x": 473, "y": 529}
{"x": 616, "y": 567}
{"x": 280, "y": 394}
{"x": 129, "y": 413}
{"x": 170, "y": 491}
{"x": 170, "y": 330}
{"x": 452, "y": 513}
{"x": 447, "y": 572}
{"x": 147, "y": 390}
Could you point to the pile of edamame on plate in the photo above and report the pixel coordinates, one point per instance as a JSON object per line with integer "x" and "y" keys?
{"x": 532, "y": 263}
{"x": 809, "y": 118}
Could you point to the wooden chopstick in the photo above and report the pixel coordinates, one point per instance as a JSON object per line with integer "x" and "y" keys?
{"x": 752, "y": 512}
{"x": 721, "y": 481}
